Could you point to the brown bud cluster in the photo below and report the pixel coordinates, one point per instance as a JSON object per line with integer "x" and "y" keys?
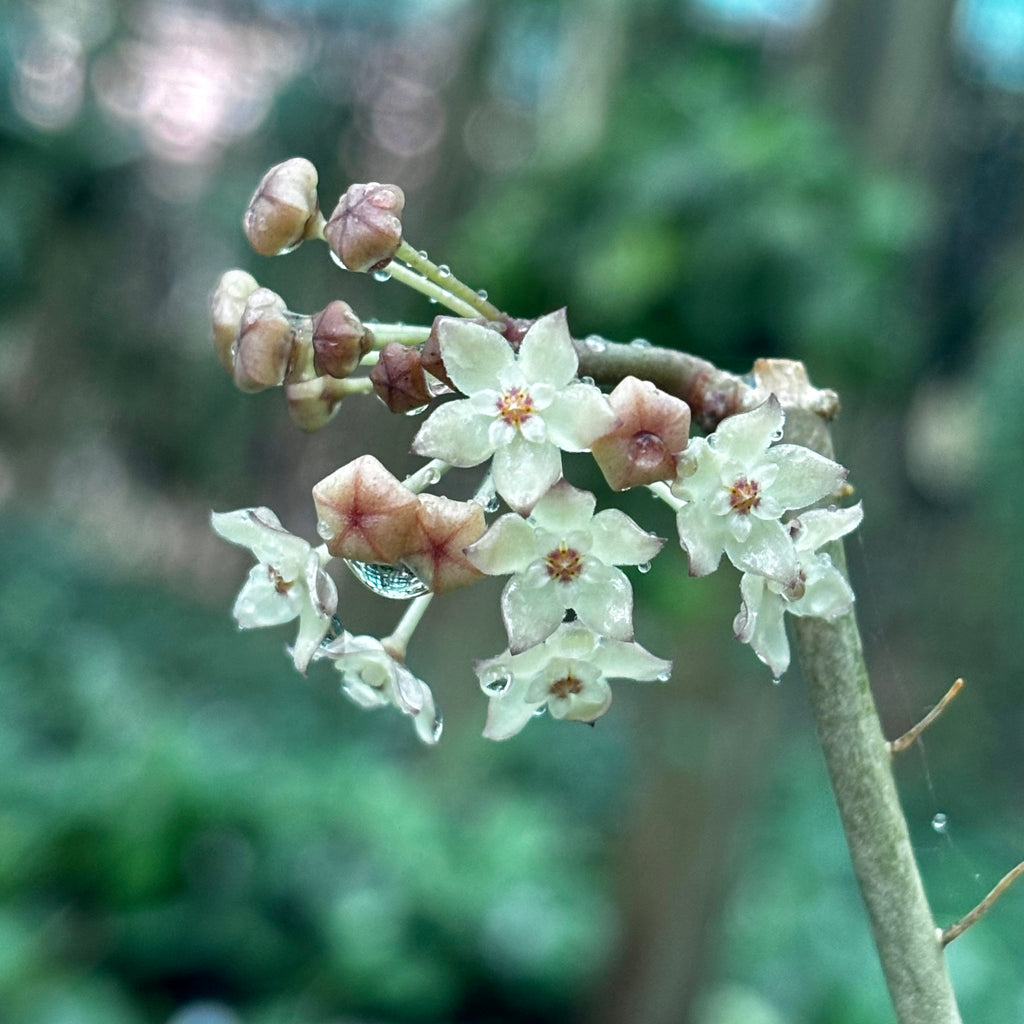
{"x": 263, "y": 347}
{"x": 227, "y": 303}
{"x": 312, "y": 404}
{"x": 365, "y": 229}
{"x": 284, "y": 209}
{"x": 339, "y": 340}
{"x": 653, "y": 428}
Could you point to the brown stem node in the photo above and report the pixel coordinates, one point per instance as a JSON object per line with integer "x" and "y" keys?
{"x": 897, "y": 746}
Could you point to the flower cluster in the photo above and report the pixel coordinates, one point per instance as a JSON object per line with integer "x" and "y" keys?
{"x": 505, "y": 395}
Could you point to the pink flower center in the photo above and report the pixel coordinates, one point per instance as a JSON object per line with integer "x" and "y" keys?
{"x": 566, "y": 686}
{"x": 515, "y": 407}
{"x": 744, "y": 496}
{"x": 564, "y": 563}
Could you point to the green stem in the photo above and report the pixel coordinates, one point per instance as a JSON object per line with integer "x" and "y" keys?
{"x": 443, "y": 277}
{"x": 398, "y": 642}
{"x": 404, "y": 334}
{"x": 860, "y": 768}
{"x": 404, "y": 275}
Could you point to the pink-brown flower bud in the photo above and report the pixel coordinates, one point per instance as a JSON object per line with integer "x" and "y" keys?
{"x": 284, "y": 208}
{"x": 398, "y": 378}
{"x": 263, "y": 348}
{"x": 653, "y": 428}
{"x": 365, "y": 513}
{"x": 227, "y": 302}
{"x": 365, "y": 231}
{"x": 444, "y": 529}
{"x": 313, "y": 403}
{"x": 339, "y": 340}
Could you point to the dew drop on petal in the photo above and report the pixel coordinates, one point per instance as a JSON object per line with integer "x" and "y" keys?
{"x": 639, "y": 343}
{"x": 644, "y": 567}
{"x": 664, "y": 677}
{"x": 397, "y": 582}
{"x": 493, "y": 504}
{"x": 833, "y": 509}
{"x": 540, "y": 711}
{"x": 595, "y": 344}
{"x": 435, "y": 735}
{"x": 382, "y": 275}
{"x": 777, "y": 681}
{"x": 323, "y": 529}
{"x": 776, "y": 435}
{"x": 940, "y": 823}
{"x": 587, "y": 380}
{"x": 497, "y": 684}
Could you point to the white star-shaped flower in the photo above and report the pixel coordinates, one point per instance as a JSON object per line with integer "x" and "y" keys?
{"x": 288, "y": 582}
{"x": 819, "y": 589}
{"x": 564, "y": 556}
{"x": 523, "y": 409}
{"x": 567, "y": 674}
{"x": 371, "y": 677}
{"x": 734, "y": 486}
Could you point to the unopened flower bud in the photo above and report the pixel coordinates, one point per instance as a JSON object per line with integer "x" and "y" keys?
{"x": 398, "y": 378}
{"x": 365, "y": 513}
{"x": 227, "y": 303}
{"x": 313, "y": 403}
{"x": 365, "y": 231}
{"x": 339, "y": 340}
{"x": 263, "y": 348}
{"x": 653, "y": 428}
{"x": 444, "y": 529}
{"x": 284, "y": 208}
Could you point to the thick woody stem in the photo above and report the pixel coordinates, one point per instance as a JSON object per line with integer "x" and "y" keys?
{"x": 860, "y": 767}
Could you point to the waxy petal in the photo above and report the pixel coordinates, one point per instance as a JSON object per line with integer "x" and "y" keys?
{"x": 547, "y": 353}
{"x": 457, "y": 433}
{"x": 617, "y": 540}
{"x": 702, "y": 537}
{"x": 259, "y": 530}
{"x": 564, "y": 508}
{"x": 760, "y": 623}
{"x": 827, "y": 594}
{"x": 767, "y": 550}
{"x": 804, "y": 476}
{"x": 819, "y": 526}
{"x": 604, "y": 601}
{"x": 531, "y": 614}
{"x": 260, "y": 603}
{"x": 507, "y": 547}
{"x": 578, "y": 416}
{"x": 620, "y": 660}
{"x": 747, "y": 435}
{"x": 522, "y": 472}
{"x": 474, "y": 356}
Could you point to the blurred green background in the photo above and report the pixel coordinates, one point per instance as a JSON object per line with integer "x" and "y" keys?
{"x": 191, "y": 833}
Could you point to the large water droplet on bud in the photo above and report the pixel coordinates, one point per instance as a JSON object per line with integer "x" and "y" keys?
{"x": 398, "y": 582}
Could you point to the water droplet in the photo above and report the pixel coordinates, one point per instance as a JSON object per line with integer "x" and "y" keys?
{"x": 432, "y": 300}
{"x": 540, "y": 711}
{"x": 382, "y": 275}
{"x": 940, "y": 823}
{"x": 587, "y": 380}
{"x": 644, "y": 567}
{"x": 324, "y": 529}
{"x": 777, "y": 681}
{"x": 595, "y": 344}
{"x": 664, "y": 677}
{"x": 776, "y": 435}
{"x": 418, "y": 411}
{"x": 492, "y": 504}
{"x": 337, "y": 259}
{"x": 482, "y": 294}
{"x": 398, "y": 582}
{"x": 422, "y": 254}
{"x": 444, "y": 270}
{"x": 288, "y": 248}
{"x": 435, "y": 735}
{"x": 498, "y": 683}
{"x": 639, "y": 343}
{"x": 833, "y": 508}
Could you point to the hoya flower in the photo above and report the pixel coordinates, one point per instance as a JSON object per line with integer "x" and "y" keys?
{"x": 734, "y": 486}
{"x": 522, "y": 408}
{"x": 564, "y": 556}
{"x": 371, "y": 677}
{"x": 567, "y": 675}
{"x": 819, "y": 588}
{"x": 288, "y": 581}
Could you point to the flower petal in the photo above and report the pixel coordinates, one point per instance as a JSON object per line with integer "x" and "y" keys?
{"x": 703, "y": 537}
{"x": 473, "y": 355}
{"x": 619, "y": 541}
{"x": 760, "y": 623}
{"x": 522, "y": 472}
{"x": 531, "y": 614}
{"x": 578, "y": 416}
{"x": 620, "y": 660}
{"x": 507, "y": 546}
{"x": 747, "y": 435}
{"x": 259, "y": 530}
{"x": 827, "y": 593}
{"x": 456, "y": 433}
{"x": 604, "y": 601}
{"x": 260, "y": 603}
{"x": 547, "y": 353}
{"x": 508, "y": 713}
{"x": 766, "y": 551}
{"x": 819, "y": 526}
{"x": 564, "y": 508}
{"x": 804, "y": 476}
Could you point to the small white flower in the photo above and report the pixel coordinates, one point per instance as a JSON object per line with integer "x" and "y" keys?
{"x": 734, "y": 487}
{"x": 567, "y": 674}
{"x": 564, "y": 556}
{"x": 371, "y": 678}
{"x": 819, "y": 589}
{"x": 523, "y": 409}
{"x": 288, "y": 582}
